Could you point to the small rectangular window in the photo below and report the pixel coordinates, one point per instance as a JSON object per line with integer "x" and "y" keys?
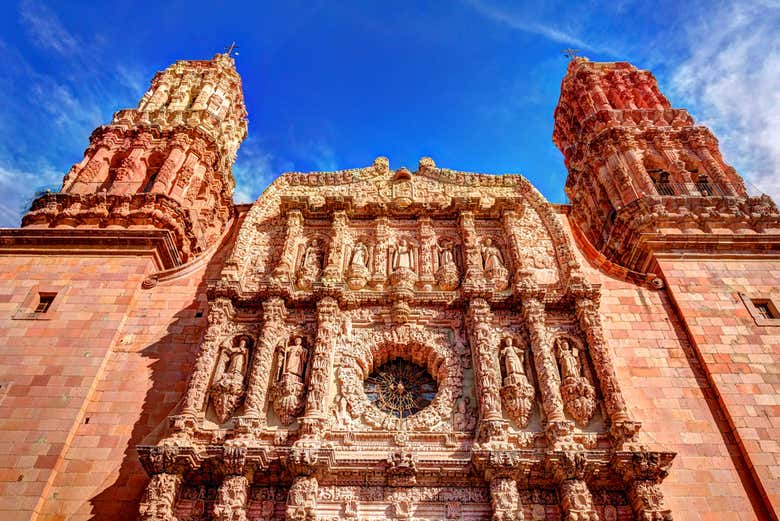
{"x": 44, "y": 302}
{"x": 765, "y": 309}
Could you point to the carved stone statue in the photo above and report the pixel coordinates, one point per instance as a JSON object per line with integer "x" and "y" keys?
{"x": 404, "y": 256}
{"x": 448, "y": 274}
{"x": 569, "y": 359}
{"x": 513, "y": 362}
{"x": 495, "y": 271}
{"x": 359, "y": 256}
{"x": 295, "y": 360}
{"x": 404, "y": 265}
{"x": 311, "y": 267}
{"x": 577, "y": 392}
{"x": 290, "y": 386}
{"x": 517, "y": 394}
{"x": 357, "y": 272}
{"x": 228, "y": 382}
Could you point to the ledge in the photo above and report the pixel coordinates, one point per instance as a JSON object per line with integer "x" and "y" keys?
{"x": 158, "y": 244}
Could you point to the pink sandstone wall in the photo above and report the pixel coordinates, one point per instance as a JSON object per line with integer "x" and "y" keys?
{"x": 51, "y": 367}
{"x": 667, "y": 390}
{"x": 91, "y": 382}
{"x": 740, "y": 358}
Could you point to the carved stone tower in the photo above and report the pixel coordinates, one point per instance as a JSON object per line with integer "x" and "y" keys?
{"x": 642, "y": 175}
{"x": 163, "y": 165}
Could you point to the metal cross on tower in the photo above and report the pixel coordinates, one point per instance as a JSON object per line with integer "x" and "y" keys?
{"x": 232, "y": 47}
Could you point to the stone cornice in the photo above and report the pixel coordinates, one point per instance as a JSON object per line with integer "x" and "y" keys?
{"x": 159, "y": 244}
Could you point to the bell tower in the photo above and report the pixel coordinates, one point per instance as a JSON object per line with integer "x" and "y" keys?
{"x": 164, "y": 165}
{"x": 642, "y": 174}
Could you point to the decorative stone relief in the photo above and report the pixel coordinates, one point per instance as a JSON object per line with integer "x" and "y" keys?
{"x": 579, "y": 396}
{"x": 160, "y": 497}
{"x": 311, "y": 264}
{"x": 290, "y": 385}
{"x": 228, "y": 383}
{"x": 517, "y": 394}
{"x": 302, "y": 499}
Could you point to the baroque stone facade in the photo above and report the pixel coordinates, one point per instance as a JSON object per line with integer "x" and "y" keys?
{"x": 378, "y": 343}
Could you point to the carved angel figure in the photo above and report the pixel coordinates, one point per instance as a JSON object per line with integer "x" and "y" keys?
{"x": 228, "y": 382}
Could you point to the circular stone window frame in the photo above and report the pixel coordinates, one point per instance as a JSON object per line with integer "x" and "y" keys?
{"x": 430, "y": 349}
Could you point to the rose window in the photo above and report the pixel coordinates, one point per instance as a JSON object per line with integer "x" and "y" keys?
{"x": 400, "y": 387}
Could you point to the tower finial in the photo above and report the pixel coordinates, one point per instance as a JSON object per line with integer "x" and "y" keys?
{"x": 570, "y": 53}
{"x": 231, "y": 48}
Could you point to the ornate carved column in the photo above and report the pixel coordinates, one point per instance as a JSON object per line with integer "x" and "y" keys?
{"x": 94, "y": 173}
{"x": 505, "y": 500}
{"x": 587, "y": 310}
{"x": 166, "y": 177}
{"x": 328, "y": 329}
{"x": 219, "y": 328}
{"x": 379, "y": 275}
{"x": 233, "y": 492}
{"x": 159, "y": 498}
{"x": 570, "y": 470}
{"x": 302, "y": 499}
{"x": 131, "y": 174}
{"x": 546, "y": 367}
{"x": 332, "y": 274}
{"x": 274, "y": 330}
{"x": 487, "y": 373}
{"x": 286, "y": 267}
{"x": 427, "y": 245}
{"x": 643, "y": 472}
{"x": 474, "y": 273}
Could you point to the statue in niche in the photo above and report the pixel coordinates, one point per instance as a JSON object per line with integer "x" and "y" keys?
{"x": 404, "y": 265}
{"x": 290, "y": 382}
{"x": 579, "y": 395}
{"x": 448, "y": 274}
{"x": 517, "y": 393}
{"x": 311, "y": 265}
{"x": 357, "y": 271}
{"x": 403, "y": 256}
{"x": 495, "y": 271}
{"x": 228, "y": 387}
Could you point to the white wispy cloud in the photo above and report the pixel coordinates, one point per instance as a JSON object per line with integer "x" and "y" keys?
{"x": 731, "y": 75}
{"x": 522, "y": 21}
{"x": 46, "y": 30}
{"x": 253, "y": 171}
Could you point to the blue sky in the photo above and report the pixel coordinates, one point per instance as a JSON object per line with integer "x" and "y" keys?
{"x": 328, "y": 85}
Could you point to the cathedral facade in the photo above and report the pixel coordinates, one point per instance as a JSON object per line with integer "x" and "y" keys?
{"x": 378, "y": 343}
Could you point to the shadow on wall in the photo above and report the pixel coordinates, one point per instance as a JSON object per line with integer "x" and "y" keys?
{"x": 170, "y": 373}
